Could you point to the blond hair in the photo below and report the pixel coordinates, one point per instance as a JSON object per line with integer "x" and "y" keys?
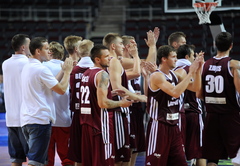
{"x": 57, "y": 50}
{"x": 109, "y": 39}
{"x": 126, "y": 39}
{"x": 71, "y": 42}
{"x": 85, "y": 47}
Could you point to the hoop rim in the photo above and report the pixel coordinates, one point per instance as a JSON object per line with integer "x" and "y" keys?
{"x": 203, "y": 4}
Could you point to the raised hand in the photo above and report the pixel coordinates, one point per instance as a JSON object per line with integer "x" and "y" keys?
{"x": 132, "y": 48}
{"x": 67, "y": 65}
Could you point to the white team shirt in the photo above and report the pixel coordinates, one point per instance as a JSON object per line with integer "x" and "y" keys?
{"x": 12, "y": 69}
{"x": 37, "y": 105}
{"x": 62, "y": 102}
{"x": 182, "y": 62}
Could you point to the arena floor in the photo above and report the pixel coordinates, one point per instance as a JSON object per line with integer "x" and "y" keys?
{"x": 4, "y": 157}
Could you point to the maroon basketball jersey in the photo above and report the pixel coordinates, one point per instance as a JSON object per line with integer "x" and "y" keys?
{"x": 122, "y": 128}
{"x": 117, "y": 98}
{"x": 220, "y": 95}
{"x": 136, "y": 86}
{"x": 191, "y": 102}
{"x": 161, "y": 106}
{"x": 91, "y": 113}
{"x": 75, "y": 79}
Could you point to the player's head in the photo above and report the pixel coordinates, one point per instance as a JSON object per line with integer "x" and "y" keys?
{"x": 223, "y": 41}
{"x": 20, "y": 43}
{"x": 39, "y": 48}
{"x": 113, "y": 41}
{"x": 56, "y": 50}
{"x": 186, "y": 52}
{"x": 176, "y": 39}
{"x": 85, "y": 47}
{"x": 164, "y": 52}
{"x": 71, "y": 43}
{"x": 126, "y": 39}
{"x": 100, "y": 55}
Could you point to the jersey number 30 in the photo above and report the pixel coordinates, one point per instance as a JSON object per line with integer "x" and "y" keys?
{"x": 214, "y": 83}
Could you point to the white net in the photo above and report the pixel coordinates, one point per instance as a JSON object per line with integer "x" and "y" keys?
{"x": 204, "y": 10}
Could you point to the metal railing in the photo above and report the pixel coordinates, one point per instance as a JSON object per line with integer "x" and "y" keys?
{"x": 49, "y": 14}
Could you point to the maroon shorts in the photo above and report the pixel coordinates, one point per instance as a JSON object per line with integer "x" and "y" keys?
{"x": 94, "y": 151}
{"x": 221, "y": 136}
{"x": 165, "y": 146}
{"x": 183, "y": 126}
{"x": 122, "y": 137}
{"x": 137, "y": 132}
{"x": 74, "y": 150}
{"x": 193, "y": 148}
{"x": 59, "y": 143}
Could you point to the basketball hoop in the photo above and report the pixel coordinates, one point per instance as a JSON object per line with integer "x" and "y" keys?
{"x": 203, "y": 10}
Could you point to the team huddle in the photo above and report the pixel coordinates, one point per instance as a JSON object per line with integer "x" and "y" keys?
{"x": 91, "y": 107}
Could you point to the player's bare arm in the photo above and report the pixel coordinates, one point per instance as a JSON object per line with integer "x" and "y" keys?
{"x": 127, "y": 63}
{"x": 152, "y": 38}
{"x": 136, "y": 70}
{"x": 115, "y": 71}
{"x": 147, "y": 68}
{"x": 102, "y": 90}
{"x": 158, "y": 81}
{"x": 195, "y": 83}
{"x": 235, "y": 69}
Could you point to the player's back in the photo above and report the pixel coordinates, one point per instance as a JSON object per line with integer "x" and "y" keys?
{"x": 75, "y": 79}
{"x": 219, "y": 92}
{"x": 90, "y": 110}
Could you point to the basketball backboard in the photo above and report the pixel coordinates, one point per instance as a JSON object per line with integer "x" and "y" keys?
{"x": 186, "y": 6}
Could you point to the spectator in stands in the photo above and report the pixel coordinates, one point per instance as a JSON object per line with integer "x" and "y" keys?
{"x": 71, "y": 44}
{"x": 85, "y": 62}
{"x": 118, "y": 80}
{"x": 37, "y": 109}
{"x": 177, "y": 39}
{"x": 61, "y": 129}
{"x": 12, "y": 69}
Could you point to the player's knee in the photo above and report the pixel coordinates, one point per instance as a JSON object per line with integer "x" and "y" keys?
{"x": 212, "y": 162}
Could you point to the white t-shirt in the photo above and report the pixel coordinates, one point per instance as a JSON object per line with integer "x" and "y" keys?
{"x": 62, "y": 102}
{"x": 12, "y": 69}
{"x": 37, "y": 105}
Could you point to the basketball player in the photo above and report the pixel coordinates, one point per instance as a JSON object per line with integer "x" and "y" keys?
{"x": 137, "y": 135}
{"x": 97, "y": 111}
{"x": 177, "y": 39}
{"x": 220, "y": 91}
{"x": 71, "y": 44}
{"x": 192, "y": 135}
{"x": 165, "y": 145}
{"x": 85, "y": 62}
{"x": 118, "y": 80}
